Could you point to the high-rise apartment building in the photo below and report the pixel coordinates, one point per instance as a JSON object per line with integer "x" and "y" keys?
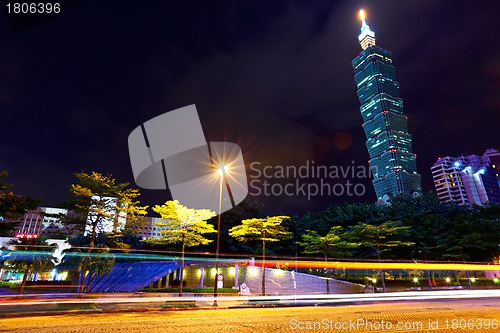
{"x": 468, "y": 179}
{"x": 392, "y": 160}
{"x": 448, "y": 180}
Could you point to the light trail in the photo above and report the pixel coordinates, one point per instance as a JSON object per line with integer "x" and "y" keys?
{"x": 388, "y": 265}
{"x": 277, "y": 299}
{"x": 358, "y": 264}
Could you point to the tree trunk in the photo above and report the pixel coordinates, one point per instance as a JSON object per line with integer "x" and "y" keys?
{"x": 182, "y": 263}
{"x": 263, "y": 266}
{"x": 466, "y": 272}
{"x": 86, "y": 259}
{"x": 428, "y": 273}
{"x": 91, "y": 277}
{"x": 25, "y": 277}
{"x": 468, "y": 279}
{"x": 326, "y": 270}
{"x": 82, "y": 275}
{"x": 382, "y": 277}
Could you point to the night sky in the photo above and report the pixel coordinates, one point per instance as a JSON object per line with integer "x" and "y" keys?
{"x": 275, "y": 77}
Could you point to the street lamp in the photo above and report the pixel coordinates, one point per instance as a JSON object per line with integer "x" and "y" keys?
{"x": 222, "y": 171}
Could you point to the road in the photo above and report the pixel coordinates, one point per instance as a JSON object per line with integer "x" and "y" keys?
{"x": 355, "y": 318}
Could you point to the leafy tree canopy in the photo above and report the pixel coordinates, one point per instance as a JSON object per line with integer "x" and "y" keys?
{"x": 266, "y": 229}
{"x": 183, "y": 224}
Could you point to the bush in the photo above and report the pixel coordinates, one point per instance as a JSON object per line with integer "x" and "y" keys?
{"x": 75, "y": 306}
{"x": 47, "y": 283}
{"x": 177, "y": 284}
{"x": 174, "y": 305}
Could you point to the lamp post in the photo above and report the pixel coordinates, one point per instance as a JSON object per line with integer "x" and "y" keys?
{"x": 222, "y": 170}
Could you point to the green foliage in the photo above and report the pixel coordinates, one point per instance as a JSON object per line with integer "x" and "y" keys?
{"x": 102, "y": 261}
{"x": 184, "y": 225}
{"x": 247, "y": 209}
{"x": 98, "y": 197}
{"x": 12, "y": 206}
{"x": 75, "y": 306}
{"x": 445, "y": 230}
{"x": 179, "y": 305}
{"x": 33, "y": 253}
{"x": 440, "y": 230}
{"x": 331, "y": 244}
{"x": 381, "y": 237}
{"x": 28, "y": 256}
{"x": 266, "y": 230}
{"x": 102, "y": 258}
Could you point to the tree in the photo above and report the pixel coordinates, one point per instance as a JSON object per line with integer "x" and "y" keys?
{"x": 96, "y": 201}
{"x": 12, "y": 206}
{"x": 380, "y": 238}
{"x": 247, "y": 209}
{"x": 184, "y": 225}
{"x": 266, "y": 230}
{"x": 29, "y": 255}
{"x": 332, "y": 244}
{"x": 486, "y": 221}
{"x": 102, "y": 263}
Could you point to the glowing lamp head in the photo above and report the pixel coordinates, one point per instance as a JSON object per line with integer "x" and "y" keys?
{"x": 222, "y": 169}
{"x": 415, "y": 280}
{"x": 472, "y": 280}
{"x": 374, "y": 280}
{"x": 456, "y": 164}
{"x": 448, "y": 279}
{"x": 362, "y": 14}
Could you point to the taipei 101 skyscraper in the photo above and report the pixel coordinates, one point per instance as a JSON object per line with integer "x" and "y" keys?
{"x": 392, "y": 161}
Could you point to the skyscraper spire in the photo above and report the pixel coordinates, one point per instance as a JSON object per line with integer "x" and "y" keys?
{"x": 366, "y": 37}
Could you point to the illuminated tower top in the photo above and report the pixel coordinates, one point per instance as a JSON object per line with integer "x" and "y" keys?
{"x": 366, "y": 37}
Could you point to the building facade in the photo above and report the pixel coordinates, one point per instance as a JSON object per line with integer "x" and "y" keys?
{"x": 468, "y": 180}
{"x": 151, "y": 229}
{"x": 392, "y": 160}
{"x": 112, "y": 218}
{"x": 36, "y": 223}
